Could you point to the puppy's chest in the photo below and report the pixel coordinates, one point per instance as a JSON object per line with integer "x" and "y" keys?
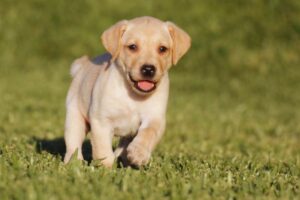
{"x": 125, "y": 122}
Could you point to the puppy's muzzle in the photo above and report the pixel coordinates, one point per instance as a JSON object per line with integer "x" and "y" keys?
{"x": 145, "y": 86}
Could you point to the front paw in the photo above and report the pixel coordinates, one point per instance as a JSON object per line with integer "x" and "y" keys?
{"x": 138, "y": 155}
{"x": 105, "y": 161}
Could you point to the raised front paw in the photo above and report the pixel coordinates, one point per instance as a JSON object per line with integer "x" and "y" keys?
{"x": 138, "y": 155}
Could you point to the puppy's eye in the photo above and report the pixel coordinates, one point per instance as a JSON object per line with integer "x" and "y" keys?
{"x": 132, "y": 47}
{"x": 162, "y": 49}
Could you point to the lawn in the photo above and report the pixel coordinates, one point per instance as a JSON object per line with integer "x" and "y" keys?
{"x": 233, "y": 129}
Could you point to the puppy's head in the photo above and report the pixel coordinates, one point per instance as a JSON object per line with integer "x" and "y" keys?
{"x": 145, "y": 48}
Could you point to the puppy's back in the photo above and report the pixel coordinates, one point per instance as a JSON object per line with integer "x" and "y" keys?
{"x": 85, "y": 72}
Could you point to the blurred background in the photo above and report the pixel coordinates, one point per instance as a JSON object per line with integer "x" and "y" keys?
{"x": 235, "y": 95}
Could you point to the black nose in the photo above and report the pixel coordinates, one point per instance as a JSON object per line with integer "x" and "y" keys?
{"x": 148, "y": 71}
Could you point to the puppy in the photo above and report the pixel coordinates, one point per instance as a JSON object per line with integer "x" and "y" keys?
{"x": 124, "y": 92}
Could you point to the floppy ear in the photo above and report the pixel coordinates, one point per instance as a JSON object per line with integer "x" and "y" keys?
{"x": 181, "y": 42}
{"x": 111, "y": 38}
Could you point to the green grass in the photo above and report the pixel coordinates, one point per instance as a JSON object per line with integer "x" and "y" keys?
{"x": 233, "y": 128}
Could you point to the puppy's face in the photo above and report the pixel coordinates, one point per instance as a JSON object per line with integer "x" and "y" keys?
{"x": 145, "y": 54}
{"x": 145, "y": 48}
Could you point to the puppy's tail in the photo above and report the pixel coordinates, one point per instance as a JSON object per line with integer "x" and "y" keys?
{"x": 77, "y": 65}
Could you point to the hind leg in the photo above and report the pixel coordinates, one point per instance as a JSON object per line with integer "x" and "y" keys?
{"x": 75, "y": 131}
{"x": 122, "y": 146}
{"x": 121, "y": 151}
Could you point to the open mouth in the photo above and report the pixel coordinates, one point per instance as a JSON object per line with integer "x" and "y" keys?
{"x": 143, "y": 85}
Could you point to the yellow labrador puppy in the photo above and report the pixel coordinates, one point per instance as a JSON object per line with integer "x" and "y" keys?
{"x": 124, "y": 92}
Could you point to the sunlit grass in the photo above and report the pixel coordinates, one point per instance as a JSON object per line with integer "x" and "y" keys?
{"x": 233, "y": 126}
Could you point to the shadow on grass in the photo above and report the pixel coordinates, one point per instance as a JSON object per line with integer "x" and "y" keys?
{"x": 57, "y": 147}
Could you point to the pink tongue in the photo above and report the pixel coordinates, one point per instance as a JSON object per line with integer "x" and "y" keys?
{"x": 145, "y": 85}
